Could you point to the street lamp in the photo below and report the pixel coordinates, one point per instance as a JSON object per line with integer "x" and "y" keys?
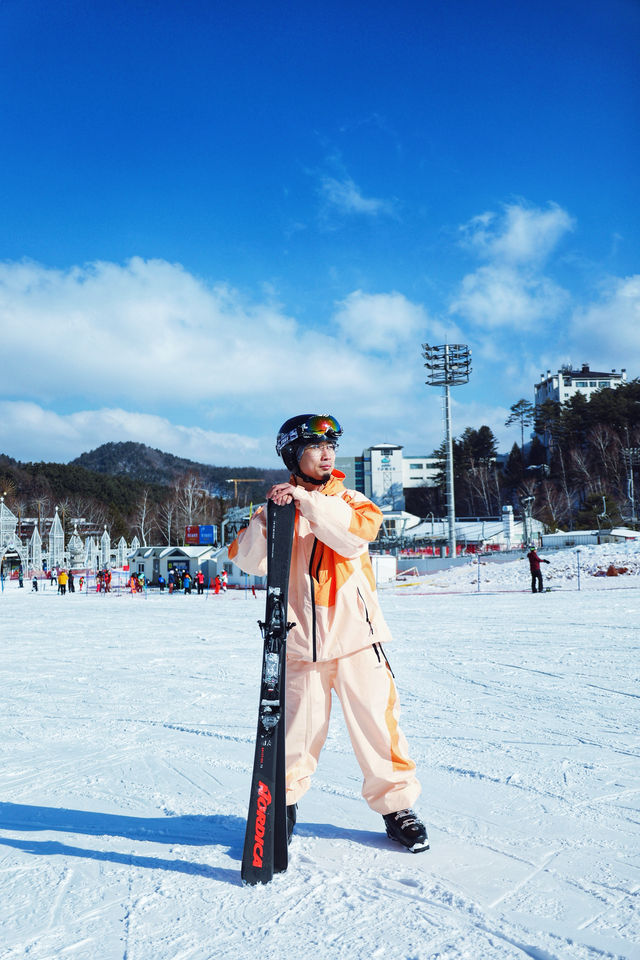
{"x": 448, "y": 364}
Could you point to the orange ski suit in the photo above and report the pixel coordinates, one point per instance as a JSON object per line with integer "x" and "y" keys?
{"x": 336, "y": 643}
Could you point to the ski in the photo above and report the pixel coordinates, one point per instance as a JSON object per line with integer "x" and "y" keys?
{"x": 265, "y": 843}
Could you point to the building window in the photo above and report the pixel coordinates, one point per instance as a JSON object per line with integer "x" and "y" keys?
{"x": 581, "y": 383}
{"x": 415, "y": 466}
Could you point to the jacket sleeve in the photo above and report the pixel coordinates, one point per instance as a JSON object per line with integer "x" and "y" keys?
{"x": 249, "y": 549}
{"x": 345, "y": 524}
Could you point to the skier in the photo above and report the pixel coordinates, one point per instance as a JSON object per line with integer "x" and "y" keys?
{"x": 336, "y": 642}
{"x": 224, "y": 577}
{"x": 534, "y": 566}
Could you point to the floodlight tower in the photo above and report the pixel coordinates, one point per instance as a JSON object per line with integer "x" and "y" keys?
{"x": 448, "y": 364}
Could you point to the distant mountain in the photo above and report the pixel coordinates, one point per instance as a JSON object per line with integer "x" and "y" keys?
{"x": 140, "y": 462}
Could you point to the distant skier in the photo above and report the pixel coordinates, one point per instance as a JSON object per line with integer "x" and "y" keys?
{"x": 536, "y": 572}
{"x": 336, "y": 642}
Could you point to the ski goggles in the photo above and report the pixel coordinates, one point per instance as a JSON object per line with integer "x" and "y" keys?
{"x": 316, "y": 427}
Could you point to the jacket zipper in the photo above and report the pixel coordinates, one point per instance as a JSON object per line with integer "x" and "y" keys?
{"x": 313, "y": 601}
{"x": 366, "y": 612}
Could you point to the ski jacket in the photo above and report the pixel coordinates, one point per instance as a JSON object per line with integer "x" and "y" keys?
{"x": 534, "y": 561}
{"x": 332, "y": 589}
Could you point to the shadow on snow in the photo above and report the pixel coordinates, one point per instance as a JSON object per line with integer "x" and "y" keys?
{"x": 187, "y": 830}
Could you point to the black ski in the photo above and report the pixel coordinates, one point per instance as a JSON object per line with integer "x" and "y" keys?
{"x": 265, "y": 843}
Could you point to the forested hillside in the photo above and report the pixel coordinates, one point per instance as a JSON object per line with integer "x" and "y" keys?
{"x": 132, "y": 489}
{"x": 581, "y": 464}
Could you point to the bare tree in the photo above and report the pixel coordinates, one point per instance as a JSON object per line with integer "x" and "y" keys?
{"x": 166, "y": 518}
{"x": 553, "y": 505}
{"x": 482, "y": 481}
{"x": 606, "y": 449}
{"x": 583, "y": 471}
{"x": 189, "y": 498}
{"x": 145, "y": 518}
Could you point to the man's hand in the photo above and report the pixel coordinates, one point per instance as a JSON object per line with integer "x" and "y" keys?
{"x": 282, "y": 493}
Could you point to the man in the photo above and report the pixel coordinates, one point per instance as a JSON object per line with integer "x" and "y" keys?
{"x": 336, "y": 643}
{"x": 536, "y": 572}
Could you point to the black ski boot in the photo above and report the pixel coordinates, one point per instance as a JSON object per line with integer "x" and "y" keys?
{"x": 292, "y": 816}
{"x": 408, "y": 829}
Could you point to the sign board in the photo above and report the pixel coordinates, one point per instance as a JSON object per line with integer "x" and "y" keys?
{"x": 206, "y": 533}
{"x": 191, "y": 536}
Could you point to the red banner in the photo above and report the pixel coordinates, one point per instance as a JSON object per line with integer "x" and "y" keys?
{"x": 192, "y": 536}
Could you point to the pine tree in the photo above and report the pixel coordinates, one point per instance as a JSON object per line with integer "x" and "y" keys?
{"x": 522, "y": 412}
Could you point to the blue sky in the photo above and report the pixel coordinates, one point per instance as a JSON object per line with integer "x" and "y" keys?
{"x": 215, "y": 215}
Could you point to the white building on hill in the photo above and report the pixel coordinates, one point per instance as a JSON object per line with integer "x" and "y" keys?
{"x": 561, "y": 386}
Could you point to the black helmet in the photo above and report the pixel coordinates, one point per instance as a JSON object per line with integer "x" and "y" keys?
{"x": 298, "y": 432}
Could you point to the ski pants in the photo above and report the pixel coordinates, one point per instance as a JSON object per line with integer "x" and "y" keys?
{"x": 364, "y": 684}
{"x": 536, "y": 578}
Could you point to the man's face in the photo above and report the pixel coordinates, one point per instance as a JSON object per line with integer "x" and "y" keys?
{"x": 318, "y": 460}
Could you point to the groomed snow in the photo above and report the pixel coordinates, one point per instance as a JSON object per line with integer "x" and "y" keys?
{"x": 127, "y": 742}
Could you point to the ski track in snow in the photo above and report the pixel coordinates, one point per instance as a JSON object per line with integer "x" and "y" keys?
{"x": 128, "y": 726}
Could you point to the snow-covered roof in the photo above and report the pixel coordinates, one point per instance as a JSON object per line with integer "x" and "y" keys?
{"x": 188, "y": 551}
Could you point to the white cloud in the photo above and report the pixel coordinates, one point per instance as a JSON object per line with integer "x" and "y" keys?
{"x": 147, "y": 330}
{"x": 385, "y": 321}
{"x": 25, "y": 426}
{"x": 501, "y": 296}
{"x": 511, "y": 290}
{"x": 608, "y": 332}
{"x": 519, "y": 235}
{"x": 346, "y": 197}
{"x": 139, "y": 348}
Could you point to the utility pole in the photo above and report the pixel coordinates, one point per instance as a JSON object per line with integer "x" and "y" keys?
{"x": 631, "y": 457}
{"x": 448, "y": 364}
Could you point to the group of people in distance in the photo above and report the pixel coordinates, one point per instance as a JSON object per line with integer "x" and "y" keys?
{"x": 181, "y": 580}
{"x": 63, "y": 579}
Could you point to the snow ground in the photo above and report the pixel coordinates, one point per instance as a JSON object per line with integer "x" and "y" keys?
{"x": 127, "y": 742}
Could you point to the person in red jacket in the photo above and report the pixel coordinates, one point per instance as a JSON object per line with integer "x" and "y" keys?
{"x": 337, "y": 641}
{"x": 536, "y": 572}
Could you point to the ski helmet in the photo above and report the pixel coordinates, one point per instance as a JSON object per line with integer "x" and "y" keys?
{"x": 296, "y": 433}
